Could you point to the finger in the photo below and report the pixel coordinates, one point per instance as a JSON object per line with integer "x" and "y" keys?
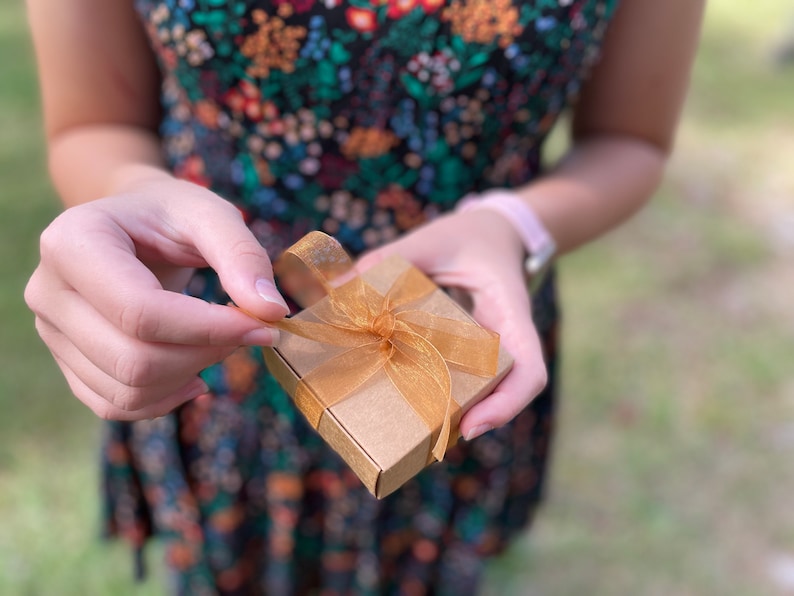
{"x": 512, "y": 395}
{"x": 128, "y": 397}
{"x": 130, "y": 361}
{"x": 505, "y": 308}
{"x": 107, "y": 411}
{"x": 243, "y": 266}
{"x": 127, "y": 294}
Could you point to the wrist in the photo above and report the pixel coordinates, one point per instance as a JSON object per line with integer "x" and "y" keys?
{"x": 133, "y": 176}
{"x": 539, "y": 245}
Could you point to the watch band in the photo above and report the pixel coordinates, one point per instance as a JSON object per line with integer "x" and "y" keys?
{"x": 537, "y": 240}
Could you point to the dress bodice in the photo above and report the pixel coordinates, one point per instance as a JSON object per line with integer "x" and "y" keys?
{"x": 363, "y": 118}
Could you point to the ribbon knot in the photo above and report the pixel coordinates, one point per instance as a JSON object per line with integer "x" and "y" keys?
{"x": 383, "y": 325}
{"x": 412, "y": 347}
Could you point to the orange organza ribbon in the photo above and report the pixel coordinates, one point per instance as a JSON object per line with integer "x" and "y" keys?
{"x": 414, "y": 348}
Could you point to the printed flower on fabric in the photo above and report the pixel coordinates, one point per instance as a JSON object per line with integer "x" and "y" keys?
{"x": 431, "y": 6}
{"x": 245, "y": 99}
{"x": 274, "y": 45}
{"x": 368, "y": 142}
{"x": 193, "y": 170}
{"x": 484, "y": 21}
{"x": 408, "y": 212}
{"x": 435, "y": 70}
{"x": 361, "y": 19}
{"x": 399, "y": 8}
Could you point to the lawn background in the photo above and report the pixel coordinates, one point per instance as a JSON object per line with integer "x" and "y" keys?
{"x": 673, "y": 466}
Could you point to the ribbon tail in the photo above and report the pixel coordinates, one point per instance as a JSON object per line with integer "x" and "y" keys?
{"x": 335, "y": 379}
{"x": 444, "y": 439}
{"x": 420, "y": 374}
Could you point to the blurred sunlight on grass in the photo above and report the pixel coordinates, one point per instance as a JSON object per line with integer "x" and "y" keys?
{"x": 673, "y": 464}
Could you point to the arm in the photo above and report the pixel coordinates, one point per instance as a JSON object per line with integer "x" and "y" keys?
{"x": 129, "y": 346}
{"x": 623, "y": 129}
{"x": 624, "y": 122}
{"x": 99, "y": 86}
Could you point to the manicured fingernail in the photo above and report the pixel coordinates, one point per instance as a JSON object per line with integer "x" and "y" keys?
{"x": 267, "y": 290}
{"x": 264, "y": 336}
{"x": 478, "y": 430}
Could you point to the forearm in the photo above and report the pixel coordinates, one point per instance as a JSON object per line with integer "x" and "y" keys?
{"x": 601, "y": 182}
{"x": 93, "y": 161}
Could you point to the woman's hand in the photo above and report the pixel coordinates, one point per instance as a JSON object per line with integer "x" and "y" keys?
{"x": 481, "y": 253}
{"x": 107, "y": 299}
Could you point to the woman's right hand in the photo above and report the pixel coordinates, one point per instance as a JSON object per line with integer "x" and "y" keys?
{"x": 108, "y": 302}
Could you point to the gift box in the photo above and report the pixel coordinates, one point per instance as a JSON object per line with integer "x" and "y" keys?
{"x": 384, "y": 366}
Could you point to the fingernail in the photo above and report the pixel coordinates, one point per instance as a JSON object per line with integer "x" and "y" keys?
{"x": 196, "y": 388}
{"x": 478, "y": 430}
{"x": 264, "y": 336}
{"x": 268, "y": 292}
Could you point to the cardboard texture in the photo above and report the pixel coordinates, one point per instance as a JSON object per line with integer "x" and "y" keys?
{"x": 374, "y": 429}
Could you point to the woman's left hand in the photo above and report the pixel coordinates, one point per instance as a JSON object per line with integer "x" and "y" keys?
{"x": 481, "y": 253}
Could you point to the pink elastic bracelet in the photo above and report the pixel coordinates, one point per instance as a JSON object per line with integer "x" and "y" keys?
{"x": 539, "y": 244}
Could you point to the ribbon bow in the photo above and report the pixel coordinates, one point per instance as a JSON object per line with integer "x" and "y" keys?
{"x": 414, "y": 348}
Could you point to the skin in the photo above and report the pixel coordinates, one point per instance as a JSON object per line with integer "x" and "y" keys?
{"x": 106, "y": 291}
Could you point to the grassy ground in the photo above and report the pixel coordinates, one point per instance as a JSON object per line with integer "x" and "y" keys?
{"x": 672, "y": 472}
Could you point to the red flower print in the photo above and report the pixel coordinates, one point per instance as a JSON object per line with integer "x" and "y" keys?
{"x": 334, "y": 170}
{"x": 245, "y": 99}
{"x": 431, "y": 6}
{"x": 400, "y": 8}
{"x": 361, "y": 19}
{"x": 192, "y": 170}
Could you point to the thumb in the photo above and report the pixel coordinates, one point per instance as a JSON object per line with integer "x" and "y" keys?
{"x": 242, "y": 264}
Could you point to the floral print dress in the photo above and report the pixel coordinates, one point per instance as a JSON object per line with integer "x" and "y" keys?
{"x": 362, "y": 118}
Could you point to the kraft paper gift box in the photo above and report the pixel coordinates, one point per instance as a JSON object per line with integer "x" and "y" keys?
{"x": 370, "y": 423}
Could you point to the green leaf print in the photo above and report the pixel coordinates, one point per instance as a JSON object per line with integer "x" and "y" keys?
{"x": 478, "y": 59}
{"x": 213, "y": 19}
{"x": 468, "y": 77}
{"x": 251, "y": 181}
{"x": 458, "y": 45}
{"x": 326, "y": 83}
{"x": 378, "y": 173}
{"x": 411, "y": 34}
{"x": 305, "y": 197}
{"x": 528, "y": 14}
{"x": 408, "y": 178}
{"x": 438, "y": 150}
{"x": 338, "y": 54}
{"x": 414, "y": 88}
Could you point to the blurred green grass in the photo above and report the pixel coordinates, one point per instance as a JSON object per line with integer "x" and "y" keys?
{"x": 672, "y": 469}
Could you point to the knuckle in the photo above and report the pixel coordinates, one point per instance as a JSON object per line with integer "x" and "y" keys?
{"x": 247, "y": 247}
{"x": 540, "y": 382}
{"x": 133, "y": 369}
{"x": 63, "y": 234}
{"x": 129, "y": 400}
{"x": 52, "y": 239}
{"x": 135, "y": 320}
{"x": 212, "y": 207}
{"x": 33, "y": 293}
{"x": 45, "y": 331}
{"x": 106, "y": 413}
